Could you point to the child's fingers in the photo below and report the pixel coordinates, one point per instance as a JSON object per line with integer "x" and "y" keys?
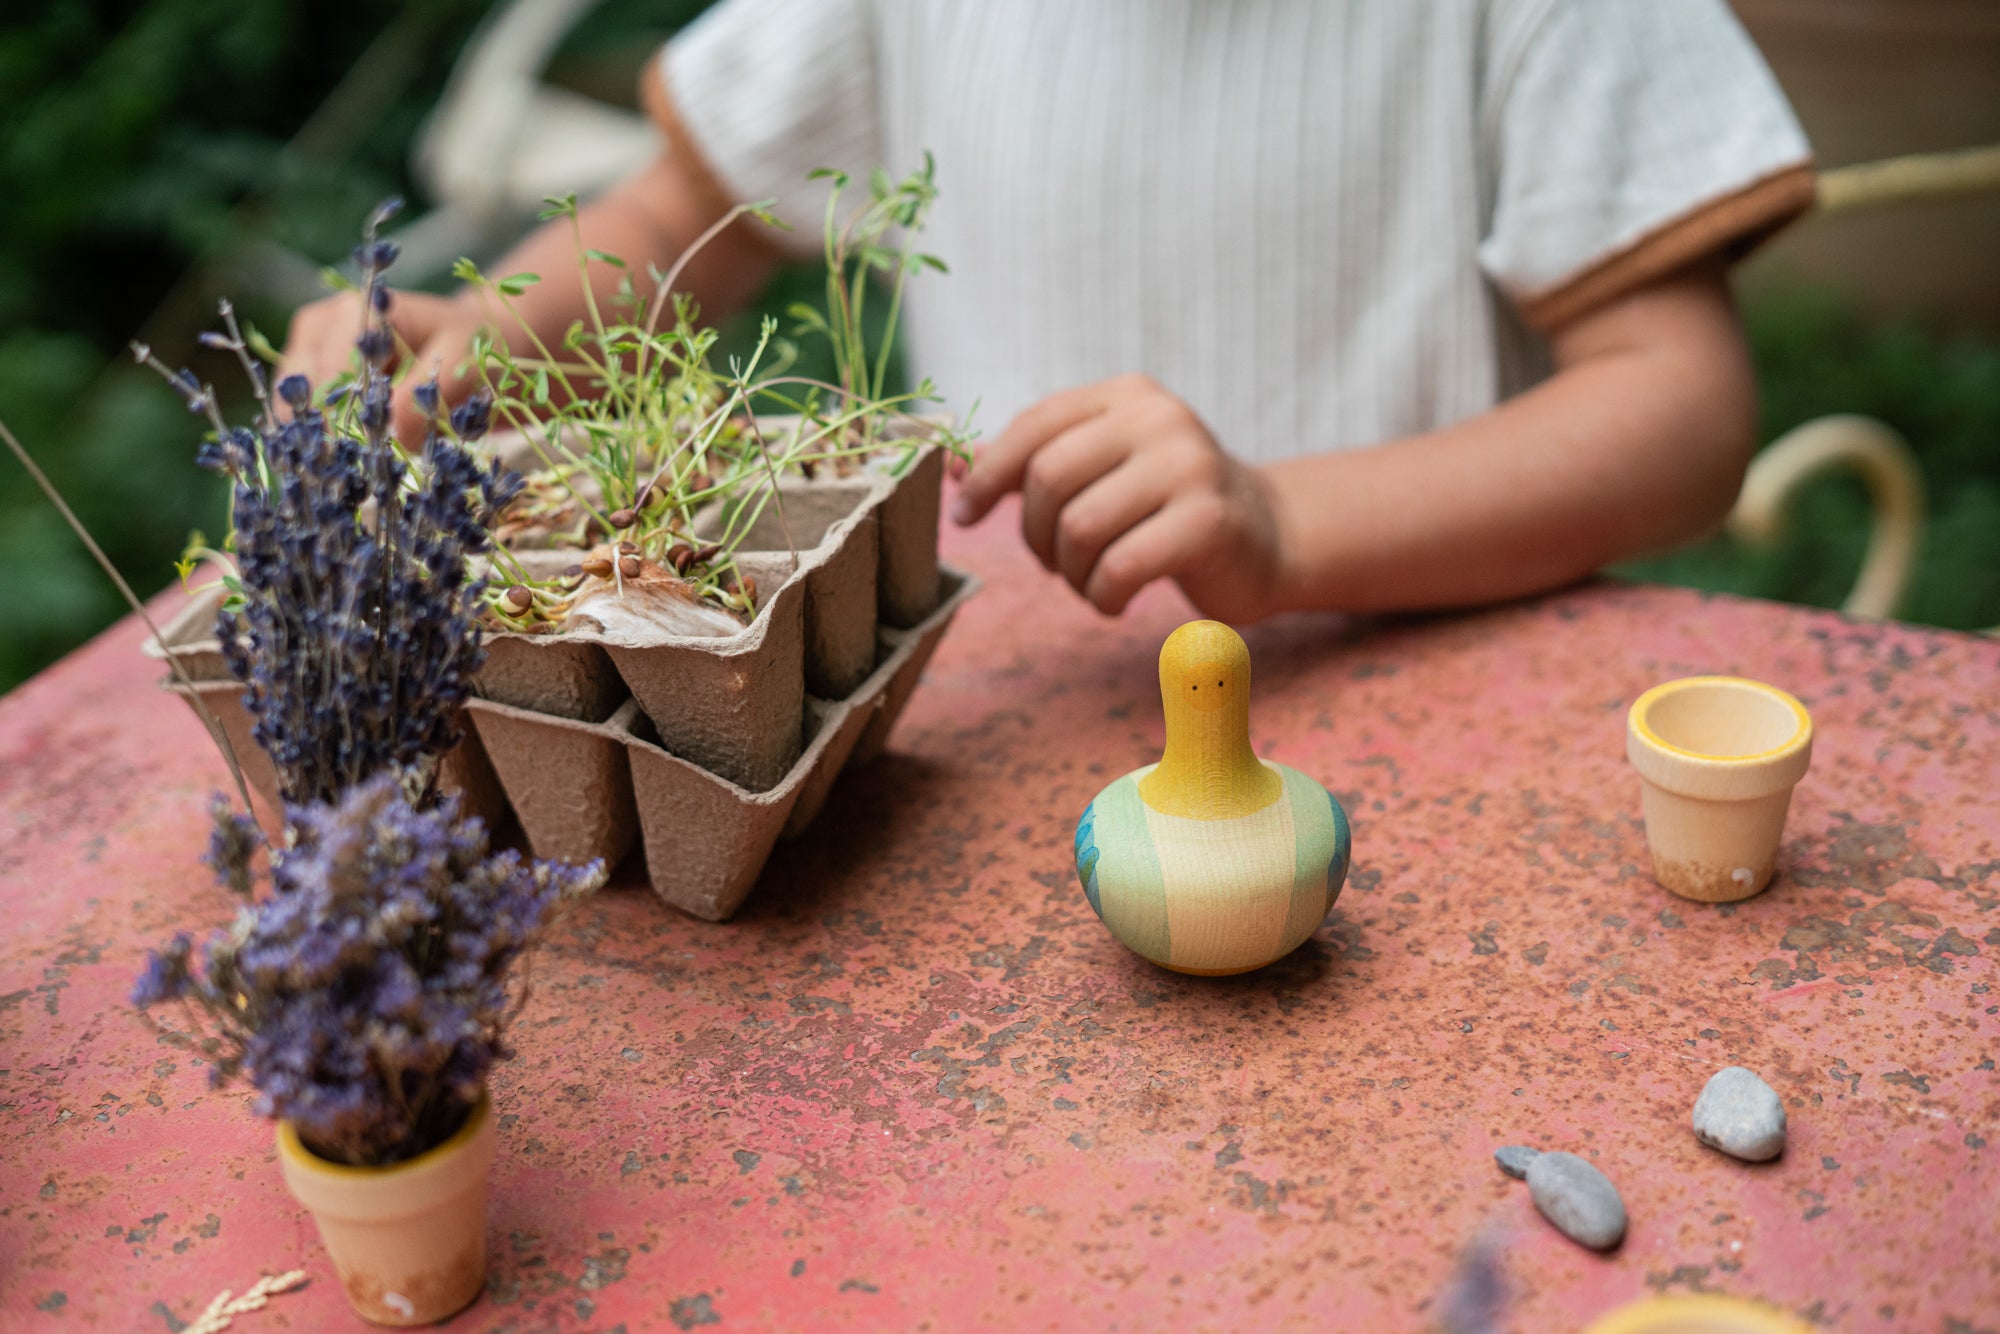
{"x": 1003, "y": 463}
{"x": 1162, "y": 545}
{"x": 320, "y": 342}
{"x": 1061, "y": 470}
{"x": 321, "y": 338}
{"x": 444, "y": 355}
{"x": 1106, "y": 510}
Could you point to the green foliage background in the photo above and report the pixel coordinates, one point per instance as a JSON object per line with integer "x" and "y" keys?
{"x": 1814, "y": 357}
{"x": 144, "y": 150}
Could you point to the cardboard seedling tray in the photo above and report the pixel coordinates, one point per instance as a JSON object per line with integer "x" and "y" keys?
{"x": 190, "y": 638}
{"x": 705, "y": 838}
{"x": 866, "y": 554}
{"x": 735, "y": 705}
{"x": 465, "y": 770}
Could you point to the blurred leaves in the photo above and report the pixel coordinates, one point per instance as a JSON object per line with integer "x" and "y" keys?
{"x": 130, "y": 136}
{"x": 143, "y": 141}
{"x": 103, "y": 451}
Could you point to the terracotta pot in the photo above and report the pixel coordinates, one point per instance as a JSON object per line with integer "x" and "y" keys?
{"x": 409, "y": 1240}
{"x": 1717, "y": 758}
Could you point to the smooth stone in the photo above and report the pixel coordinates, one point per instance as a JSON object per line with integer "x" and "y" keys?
{"x": 1741, "y": 1115}
{"x": 1578, "y": 1199}
{"x": 1514, "y": 1159}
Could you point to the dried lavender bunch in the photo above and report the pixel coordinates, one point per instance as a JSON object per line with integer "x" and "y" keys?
{"x": 367, "y": 997}
{"x": 354, "y": 626}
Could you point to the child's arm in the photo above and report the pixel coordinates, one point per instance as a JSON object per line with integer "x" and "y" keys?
{"x": 1637, "y": 441}
{"x": 649, "y": 218}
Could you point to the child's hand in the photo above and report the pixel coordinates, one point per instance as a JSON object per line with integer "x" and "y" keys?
{"x": 320, "y": 346}
{"x": 1122, "y": 484}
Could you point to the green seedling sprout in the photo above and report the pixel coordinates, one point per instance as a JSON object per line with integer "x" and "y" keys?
{"x": 640, "y": 437}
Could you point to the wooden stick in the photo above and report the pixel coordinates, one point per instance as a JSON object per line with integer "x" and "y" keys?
{"x": 215, "y": 731}
{"x": 1900, "y": 180}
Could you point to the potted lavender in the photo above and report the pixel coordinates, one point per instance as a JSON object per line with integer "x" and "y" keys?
{"x": 365, "y": 998}
{"x": 366, "y": 994}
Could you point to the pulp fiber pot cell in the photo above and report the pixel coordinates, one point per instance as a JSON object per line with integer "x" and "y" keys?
{"x": 1717, "y": 757}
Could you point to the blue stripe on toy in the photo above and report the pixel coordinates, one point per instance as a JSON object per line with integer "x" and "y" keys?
{"x": 1086, "y": 858}
{"x": 1343, "y": 849}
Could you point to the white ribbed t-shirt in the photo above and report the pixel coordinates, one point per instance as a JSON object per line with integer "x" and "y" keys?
{"x": 1323, "y": 223}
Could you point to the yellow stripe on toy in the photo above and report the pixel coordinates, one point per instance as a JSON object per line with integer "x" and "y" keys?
{"x": 1211, "y": 861}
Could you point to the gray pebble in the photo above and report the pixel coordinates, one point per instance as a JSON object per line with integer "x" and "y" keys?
{"x": 1514, "y": 1159}
{"x": 1578, "y": 1199}
{"x": 1741, "y": 1115}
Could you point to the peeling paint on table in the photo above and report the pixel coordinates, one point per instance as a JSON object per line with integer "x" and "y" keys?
{"x": 915, "y": 1084}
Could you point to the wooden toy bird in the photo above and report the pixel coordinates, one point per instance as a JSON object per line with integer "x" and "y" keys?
{"x": 1211, "y": 861}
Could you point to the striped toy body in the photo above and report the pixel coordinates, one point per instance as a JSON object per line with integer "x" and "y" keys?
{"x": 1213, "y": 896}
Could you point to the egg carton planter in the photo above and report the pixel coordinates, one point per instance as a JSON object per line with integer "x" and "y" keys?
{"x": 862, "y": 550}
{"x": 585, "y": 789}
{"x": 704, "y": 750}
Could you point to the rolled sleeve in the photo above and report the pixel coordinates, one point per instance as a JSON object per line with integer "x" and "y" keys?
{"x": 760, "y": 93}
{"x": 1632, "y": 137}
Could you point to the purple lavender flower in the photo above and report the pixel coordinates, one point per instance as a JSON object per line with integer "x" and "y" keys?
{"x": 167, "y": 976}
{"x": 234, "y": 841}
{"x": 355, "y": 632}
{"x": 367, "y": 998}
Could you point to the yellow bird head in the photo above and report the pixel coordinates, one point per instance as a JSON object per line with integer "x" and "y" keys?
{"x": 1208, "y": 770}
{"x": 1205, "y": 671}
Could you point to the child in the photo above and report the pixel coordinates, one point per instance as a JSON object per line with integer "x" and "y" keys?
{"x": 1358, "y": 304}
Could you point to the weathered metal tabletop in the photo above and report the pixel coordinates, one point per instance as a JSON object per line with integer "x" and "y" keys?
{"x": 915, "y": 1084}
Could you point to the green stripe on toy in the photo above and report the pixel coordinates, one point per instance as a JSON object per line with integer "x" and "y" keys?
{"x": 1131, "y": 893}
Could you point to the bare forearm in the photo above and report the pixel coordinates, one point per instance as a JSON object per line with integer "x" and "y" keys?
{"x": 649, "y": 219}
{"x": 1638, "y": 441}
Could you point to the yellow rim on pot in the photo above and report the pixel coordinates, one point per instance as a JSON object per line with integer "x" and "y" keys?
{"x": 294, "y": 1148}
{"x": 1643, "y": 706}
{"x": 1710, "y": 1313}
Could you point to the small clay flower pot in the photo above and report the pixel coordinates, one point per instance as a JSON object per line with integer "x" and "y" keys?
{"x": 408, "y": 1240}
{"x": 1717, "y": 758}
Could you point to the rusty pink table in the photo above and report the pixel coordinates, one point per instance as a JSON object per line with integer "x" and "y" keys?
{"x": 915, "y": 1084}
